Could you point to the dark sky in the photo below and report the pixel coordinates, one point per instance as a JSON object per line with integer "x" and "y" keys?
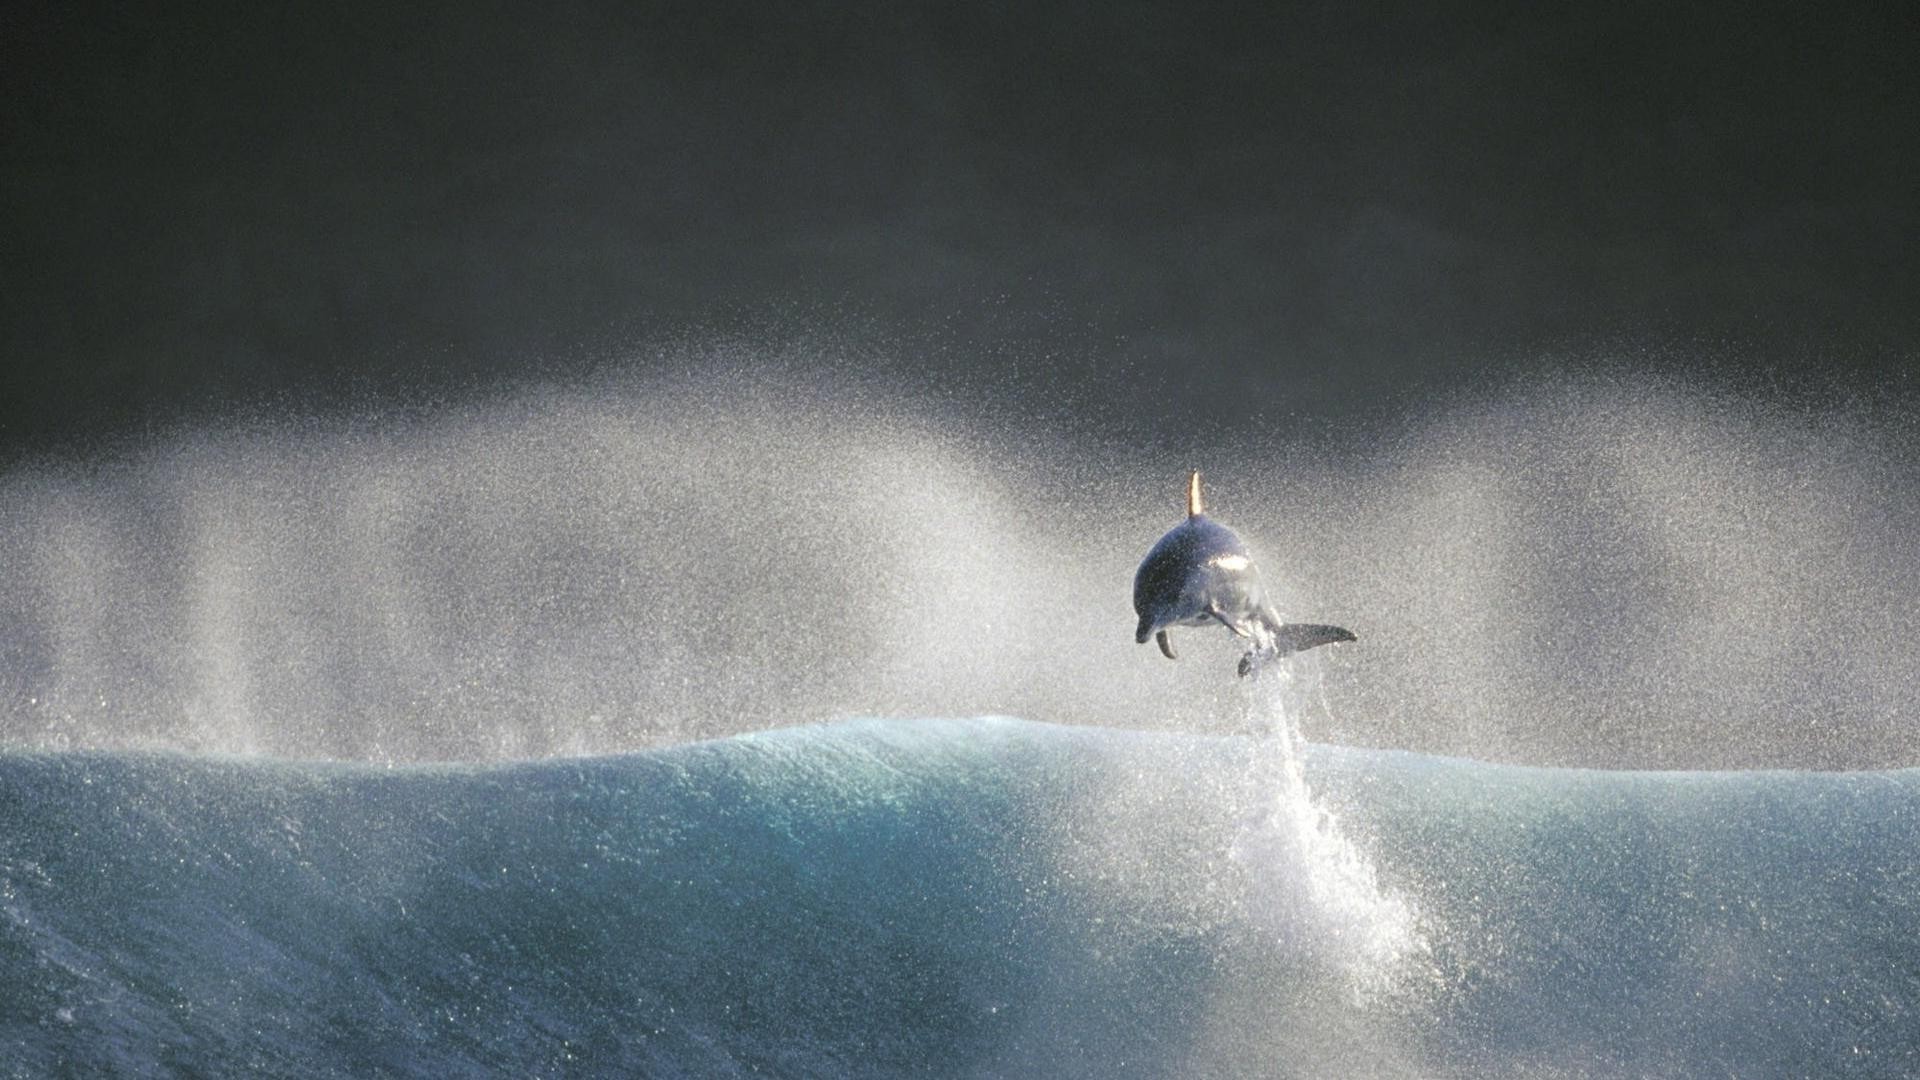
{"x": 1221, "y": 214}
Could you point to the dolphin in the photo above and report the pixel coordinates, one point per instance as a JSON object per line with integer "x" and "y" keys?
{"x": 1201, "y": 573}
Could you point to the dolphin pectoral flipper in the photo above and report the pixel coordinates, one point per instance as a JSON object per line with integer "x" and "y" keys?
{"x": 1298, "y": 637}
{"x": 1166, "y": 645}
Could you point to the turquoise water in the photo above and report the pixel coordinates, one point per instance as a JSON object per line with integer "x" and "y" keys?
{"x": 987, "y": 897}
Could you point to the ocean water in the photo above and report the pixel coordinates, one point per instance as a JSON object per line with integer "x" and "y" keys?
{"x": 985, "y": 897}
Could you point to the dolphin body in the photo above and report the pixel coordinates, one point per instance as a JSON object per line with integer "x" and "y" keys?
{"x": 1201, "y": 573}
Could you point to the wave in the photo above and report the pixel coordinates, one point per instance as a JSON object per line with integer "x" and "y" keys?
{"x": 988, "y": 897}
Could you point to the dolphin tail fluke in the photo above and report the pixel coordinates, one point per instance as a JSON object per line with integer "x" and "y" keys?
{"x": 1290, "y": 638}
{"x": 1299, "y": 637}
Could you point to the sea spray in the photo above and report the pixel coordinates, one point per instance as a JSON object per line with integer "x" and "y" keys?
{"x": 1307, "y": 884}
{"x": 649, "y": 560}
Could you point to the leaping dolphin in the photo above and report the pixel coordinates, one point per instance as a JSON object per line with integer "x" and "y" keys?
{"x": 1201, "y": 573}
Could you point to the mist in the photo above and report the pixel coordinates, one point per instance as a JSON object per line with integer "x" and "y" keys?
{"x": 1608, "y": 571}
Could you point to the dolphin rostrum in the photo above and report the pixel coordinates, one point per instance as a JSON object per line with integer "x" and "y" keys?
{"x": 1201, "y": 573}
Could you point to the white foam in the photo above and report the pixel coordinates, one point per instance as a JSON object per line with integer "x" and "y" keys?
{"x": 1306, "y": 883}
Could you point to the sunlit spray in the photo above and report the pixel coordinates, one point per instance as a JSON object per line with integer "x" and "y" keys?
{"x": 1606, "y": 574}
{"x": 1307, "y": 884}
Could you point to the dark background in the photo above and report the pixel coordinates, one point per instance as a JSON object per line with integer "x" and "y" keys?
{"x": 1315, "y": 213}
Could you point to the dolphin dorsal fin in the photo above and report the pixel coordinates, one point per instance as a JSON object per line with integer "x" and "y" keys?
{"x": 1194, "y": 508}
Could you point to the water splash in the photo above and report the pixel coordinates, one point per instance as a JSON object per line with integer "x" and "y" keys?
{"x": 1308, "y": 885}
